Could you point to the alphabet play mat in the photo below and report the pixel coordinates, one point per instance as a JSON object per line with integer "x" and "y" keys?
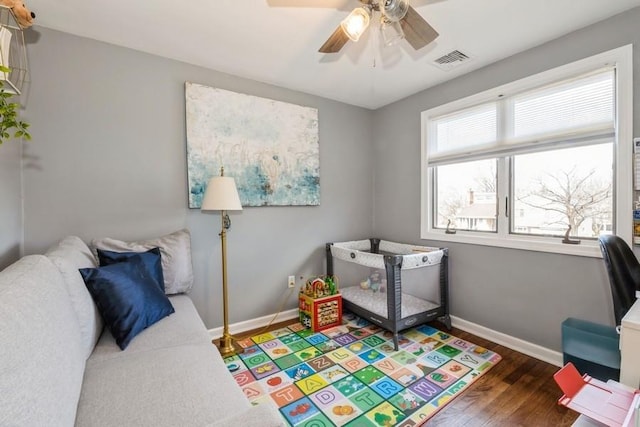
{"x": 350, "y": 375}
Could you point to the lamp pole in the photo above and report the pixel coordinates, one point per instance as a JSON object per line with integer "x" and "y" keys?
{"x": 226, "y": 341}
{"x": 221, "y": 195}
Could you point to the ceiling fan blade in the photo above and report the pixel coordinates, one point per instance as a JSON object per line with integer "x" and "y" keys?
{"x": 335, "y": 42}
{"x": 416, "y": 30}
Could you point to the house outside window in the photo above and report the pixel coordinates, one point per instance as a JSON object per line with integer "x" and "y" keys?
{"x": 529, "y": 163}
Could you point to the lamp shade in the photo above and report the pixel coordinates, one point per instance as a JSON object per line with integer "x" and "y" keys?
{"x": 391, "y": 31}
{"x": 221, "y": 195}
{"x": 355, "y": 24}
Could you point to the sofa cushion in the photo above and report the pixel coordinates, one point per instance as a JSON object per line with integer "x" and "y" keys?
{"x": 41, "y": 356}
{"x": 264, "y": 415}
{"x": 128, "y": 297}
{"x": 176, "y": 257}
{"x": 151, "y": 260}
{"x": 181, "y": 385}
{"x": 70, "y": 255}
{"x": 182, "y": 327}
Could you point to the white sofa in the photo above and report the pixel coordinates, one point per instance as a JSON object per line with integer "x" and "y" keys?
{"x": 59, "y": 368}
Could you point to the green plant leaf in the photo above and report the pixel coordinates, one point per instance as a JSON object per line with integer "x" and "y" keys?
{"x": 9, "y": 120}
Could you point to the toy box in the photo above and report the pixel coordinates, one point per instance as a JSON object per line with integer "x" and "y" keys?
{"x": 320, "y": 313}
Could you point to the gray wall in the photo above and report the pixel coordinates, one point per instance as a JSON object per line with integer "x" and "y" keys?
{"x": 521, "y": 293}
{"x": 109, "y": 159}
{"x": 10, "y": 202}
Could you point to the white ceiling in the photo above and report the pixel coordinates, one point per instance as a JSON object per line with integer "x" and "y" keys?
{"x": 277, "y": 41}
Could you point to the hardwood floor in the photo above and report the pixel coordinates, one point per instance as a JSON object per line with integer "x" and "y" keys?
{"x": 518, "y": 391}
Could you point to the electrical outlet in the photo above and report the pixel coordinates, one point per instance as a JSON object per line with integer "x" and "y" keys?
{"x": 291, "y": 281}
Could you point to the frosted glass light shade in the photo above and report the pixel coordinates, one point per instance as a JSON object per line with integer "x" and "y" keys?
{"x": 356, "y": 23}
{"x": 221, "y": 195}
{"x": 391, "y": 31}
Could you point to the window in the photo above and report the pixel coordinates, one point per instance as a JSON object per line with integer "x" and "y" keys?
{"x": 568, "y": 187}
{"x": 524, "y": 164}
{"x": 466, "y": 196}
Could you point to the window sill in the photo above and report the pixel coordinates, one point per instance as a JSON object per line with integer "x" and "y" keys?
{"x": 587, "y": 248}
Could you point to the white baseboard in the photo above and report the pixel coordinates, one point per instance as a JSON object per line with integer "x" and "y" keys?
{"x": 247, "y": 325}
{"x": 534, "y": 350}
{"x": 517, "y": 344}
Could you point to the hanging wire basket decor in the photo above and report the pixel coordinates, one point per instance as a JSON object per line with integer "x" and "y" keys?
{"x": 13, "y": 52}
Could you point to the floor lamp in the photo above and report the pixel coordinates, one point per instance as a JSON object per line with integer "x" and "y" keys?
{"x": 222, "y": 195}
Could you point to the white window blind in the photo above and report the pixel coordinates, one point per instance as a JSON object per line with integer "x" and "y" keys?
{"x": 468, "y": 129}
{"x": 578, "y": 111}
{"x": 582, "y": 105}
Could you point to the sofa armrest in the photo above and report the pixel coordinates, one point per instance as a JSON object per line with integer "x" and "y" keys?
{"x": 263, "y": 415}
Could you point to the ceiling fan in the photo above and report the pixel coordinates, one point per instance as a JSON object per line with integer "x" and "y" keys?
{"x": 398, "y": 20}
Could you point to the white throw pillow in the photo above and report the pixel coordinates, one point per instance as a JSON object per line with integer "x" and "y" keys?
{"x": 175, "y": 250}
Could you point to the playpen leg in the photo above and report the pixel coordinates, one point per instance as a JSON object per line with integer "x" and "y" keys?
{"x": 446, "y": 319}
{"x": 395, "y": 341}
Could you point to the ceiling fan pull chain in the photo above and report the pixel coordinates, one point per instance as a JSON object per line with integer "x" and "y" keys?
{"x": 372, "y": 45}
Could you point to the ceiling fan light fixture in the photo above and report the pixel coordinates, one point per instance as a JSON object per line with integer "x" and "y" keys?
{"x": 391, "y": 32}
{"x": 394, "y": 10}
{"x": 356, "y": 23}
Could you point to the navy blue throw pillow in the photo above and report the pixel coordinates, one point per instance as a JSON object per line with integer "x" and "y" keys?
{"x": 151, "y": 259}
{"x": 128, "y": 298}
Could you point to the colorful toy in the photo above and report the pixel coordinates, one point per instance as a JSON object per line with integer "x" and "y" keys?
{"x": 321, "y": 286}
{"x": 305, "y": 320}
{"x": 331, "y": 284}
{"x": 320, "y": 304}
{"x": 23, "y": 15}
{"x": 320, "y": 313}
{"x": 375, "y": 282}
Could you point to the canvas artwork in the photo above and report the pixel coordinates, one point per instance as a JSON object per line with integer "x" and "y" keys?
{"x": 270, "y": 148}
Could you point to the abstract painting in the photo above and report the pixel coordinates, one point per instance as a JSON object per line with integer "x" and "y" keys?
{"x": 269, "y": 147}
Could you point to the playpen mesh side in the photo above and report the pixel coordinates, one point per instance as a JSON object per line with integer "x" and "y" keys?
{"x": 377, "y": 303}
{"x": 353, "y": 262}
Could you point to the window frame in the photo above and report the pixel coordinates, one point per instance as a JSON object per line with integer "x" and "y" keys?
{"x": 622, "y": 59}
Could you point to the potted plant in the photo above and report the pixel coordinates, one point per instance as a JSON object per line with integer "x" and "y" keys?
{"x": 9, "y": 120}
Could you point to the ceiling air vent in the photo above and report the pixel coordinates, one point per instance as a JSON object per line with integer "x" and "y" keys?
{"x": 451, "y": 60}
